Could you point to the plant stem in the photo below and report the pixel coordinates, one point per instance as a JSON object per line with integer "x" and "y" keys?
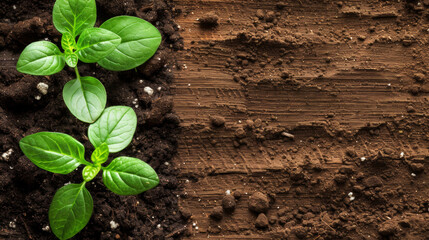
{"x": 77, "y": 73}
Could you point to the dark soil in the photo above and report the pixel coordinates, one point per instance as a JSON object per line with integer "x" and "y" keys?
{"x": 26, "y": 191}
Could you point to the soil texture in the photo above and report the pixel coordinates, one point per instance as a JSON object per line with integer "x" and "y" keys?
{"x": 311, "y": 114}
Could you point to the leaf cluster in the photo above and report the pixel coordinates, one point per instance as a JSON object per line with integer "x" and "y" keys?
{"x": 121, "y": 43}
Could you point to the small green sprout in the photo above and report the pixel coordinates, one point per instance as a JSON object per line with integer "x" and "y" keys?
{"x": 72, "y": 205}
{"x": 121, "y": 43}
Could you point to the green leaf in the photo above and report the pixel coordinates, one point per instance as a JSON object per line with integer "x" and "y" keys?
{"x": 40, "y": 58}
{"x": 71, "y": 59}
{"x": 74, "y": 16}
{"x": 129, "y": 176}
{"x": 140, "y": 40}
{"x": 70, "y": 210}
{"x": 89, "y": 172}
{"x": 95, "y": 44}
{"x": 115, "y": 127}
{"x": 100, "y": 154}
{"x": 54, "y": 152}
{"x": 68, "y": 43}
{"x": 85, "y": 99}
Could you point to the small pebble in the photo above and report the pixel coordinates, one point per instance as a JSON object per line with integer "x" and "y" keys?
{"x": 6, "y": 155}
{"x": 12, "y": 224}
{"x": 217, "y": 121}
{"x": 148, "y": 90}
{"x": 261, "y": 221}
{"x": 228, "y": 203}
{"x": 217, "y": 213}
{"x": 43, "y": 88}
{"x": 258, "y": 202}
{"x": 113, "y": 225}
{"x": 288, "y": 135}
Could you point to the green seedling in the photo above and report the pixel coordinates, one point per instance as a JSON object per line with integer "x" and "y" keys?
{"x": 121, "y": 43}
{"x": 72, "y": 205}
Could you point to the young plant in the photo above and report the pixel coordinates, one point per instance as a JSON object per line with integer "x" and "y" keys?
{"x": 121, "y": 43}
{"x": 72, "y": 205}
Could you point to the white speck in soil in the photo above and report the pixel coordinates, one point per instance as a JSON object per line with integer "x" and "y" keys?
{"x": 158, "y": 226}
{"x": 67, "y": 183}
{"x": 148, "y": 90}
{"x": 363, "y": 159}
{"x": 43, "y": 88}
{"x": 228, "y": 192}
{"x": 6, "y": 155}
{"x": 140, "y": 81}
{"x": 37, "y": 97}
{"x": 46, "y": 228}
{"x": 14, "y": 7}
{"x": 159, "y": 88}
{"x": 413, "y": 174}
{"x": 189, "y": 84}
{"x": 12, "y": 224}
{"x": 137, "y": 106}
{"x": 113, "y": 225}
{"x": 351, "y": 196}
{"x": 167, "y": 163}
{"x": 402, "y": 155}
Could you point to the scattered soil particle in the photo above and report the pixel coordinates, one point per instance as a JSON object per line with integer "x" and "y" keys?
{"x": 217, "y": 213}
{"x": 217, "y": 121}
{"x": 419, "y": 77}
{"x": 258, "y": 203}
{"x": 417, "y": 167}
{"x": 228, "y": 203}
{"x": 373, "y": 181}
{"x": 261, "y": 221}
{"x": 270, "y": 16}
{"x": 388, "y": 228}
{"x": 260, "y": 13}
{"x": 209, "y": 21}
{"x": 237, "y": 194}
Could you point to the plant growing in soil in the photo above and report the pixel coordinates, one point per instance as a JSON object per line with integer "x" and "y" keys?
{"x": 121, "y": 43}
{"x": 72, "y": 205}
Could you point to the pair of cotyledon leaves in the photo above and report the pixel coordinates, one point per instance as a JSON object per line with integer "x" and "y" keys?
{"x": 121, "y": 43}
{"x": 72, "y": 205}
